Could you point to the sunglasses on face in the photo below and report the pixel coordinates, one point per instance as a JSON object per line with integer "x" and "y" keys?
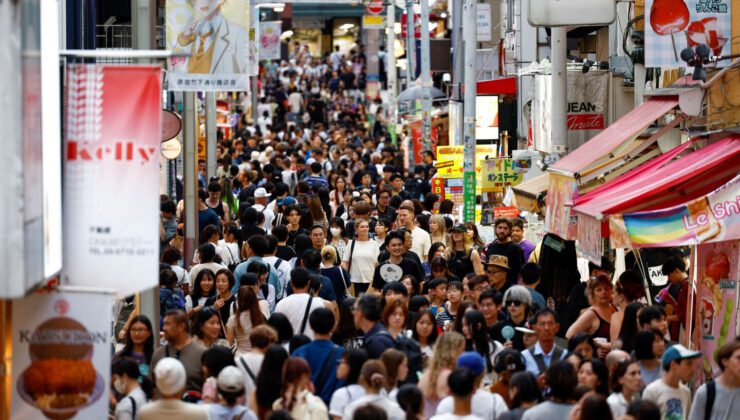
{"x": 514, "y": 302}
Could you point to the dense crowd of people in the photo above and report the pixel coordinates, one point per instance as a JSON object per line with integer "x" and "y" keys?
{"x": 329, "y": 282}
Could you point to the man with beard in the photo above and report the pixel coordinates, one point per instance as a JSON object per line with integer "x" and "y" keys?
{"x": 503, "y": 245}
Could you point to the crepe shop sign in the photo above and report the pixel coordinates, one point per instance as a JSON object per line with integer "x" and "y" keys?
{"x": 719, "y": 211}
{"x": 120, "y": 151}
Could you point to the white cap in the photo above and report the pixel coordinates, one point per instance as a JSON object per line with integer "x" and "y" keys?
{"x": 170, "y": 376}
{"x": 231, "y": 379}
{"x": 261, "y": 193}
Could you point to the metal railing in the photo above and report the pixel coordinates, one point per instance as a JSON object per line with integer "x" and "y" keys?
{"x": 121, "y": 37}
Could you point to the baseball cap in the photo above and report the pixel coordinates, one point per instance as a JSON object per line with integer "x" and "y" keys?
{"x": 231, "y": 379}
{"x": 677, "y": 352}
{"x": 459, "y": 228}
{"x": 473, "y": 361}
{"x": 260, "y": 193}
{"x": 287, "y": 201}
{"x": 170, "y": 376}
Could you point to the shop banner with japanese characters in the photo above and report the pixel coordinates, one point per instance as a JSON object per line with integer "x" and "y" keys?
{"x": 712, "y": 218}
{"x": 215, "y": 34}
{"x": 61, "y": 356}
{"x": 716, "y": 299}
{"x": 450, "y": 160}
{"x": 111, "y": 177}
{"x": 672, "y": 25}
{"x": 269, "y": 48}
{"x": 500, "y": 173}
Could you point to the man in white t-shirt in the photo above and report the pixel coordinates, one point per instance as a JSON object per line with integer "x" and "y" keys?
{"x": 295, "y": 306}
{"x": 483, "y": 404}
{"x": 260, "y": 204}
{"x": 420, "y": 240}
{"x": 669, "y": 393}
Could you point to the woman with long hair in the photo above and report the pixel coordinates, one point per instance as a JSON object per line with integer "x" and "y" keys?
{"x": 206, "y": 327}
{"x": 139, "y": 343}
{"x": 523, "y": 393}
{"x": 595, "y": 320}
{"x": 203, "y": 288}
{"x": 268, "y": 384}
{"x": 625, "y": 384}
{"x": 394, "y": 317}
{"x": 628, "y": 289}
{"x": 397, "y": 365}
{"x": 478, "y": 242}
{"x": 461, "y": 257}
{"x": 438, "y": 229}
{"x": 323, "y": 195}
{"x": 346, "y": 334}
{"x": 282, "y": 326}
{"x": 625, "y": 339}
{"x": 348, "y": 370}
{"x": 336, "y": 196}
{"x": 424, "y": 331}
{"x": 477, "y": 339}
{"x": 248, "y": 314}
{"x": 373, "y": 379}
{"x": 433, "y": 382}
{"x": 317, "y": 212}
{"x": 295, "y": 393}
{"x": 594, "y": 374}
{"x": 412, "y": 285}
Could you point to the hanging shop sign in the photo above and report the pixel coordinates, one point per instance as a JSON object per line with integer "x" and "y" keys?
{"x": 486, "y": 117}
{"x": 558, "y": 219}
{"x": 716, "y": 299}
{"x": 499, "y": 173}
{"x": 712, "y": 218}
{"x": 269, "y": 48}
{"x": 216, "y": 37}
{"x": 113, "y": 135}
{"x": 587, "y": 106}
{"x": 61, "y": 356}
{"x": 450, "y": 159}
{"x": 171, "y": 125}
{"x": 673, "y": 25}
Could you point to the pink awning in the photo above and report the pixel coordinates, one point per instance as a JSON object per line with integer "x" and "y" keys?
{"x": 624, "y": 129}
{"x": 671, "y": 181}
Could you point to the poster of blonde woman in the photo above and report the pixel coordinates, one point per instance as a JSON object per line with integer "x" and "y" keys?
{"x": 213, "y": 36}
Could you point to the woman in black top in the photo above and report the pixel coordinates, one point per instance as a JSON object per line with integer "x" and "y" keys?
{"x": 462, "y": 259}
{"x": 224, "y": 298}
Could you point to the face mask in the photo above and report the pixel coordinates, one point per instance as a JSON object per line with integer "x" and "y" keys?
{"x": 119, "y": 386}
{"x": 335, "y": 231}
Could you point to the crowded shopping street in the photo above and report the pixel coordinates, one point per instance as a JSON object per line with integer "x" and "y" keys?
{"x": 376, "y": 210}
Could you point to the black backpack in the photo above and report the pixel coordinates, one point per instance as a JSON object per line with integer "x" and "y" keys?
{"x": 412, "y": 350}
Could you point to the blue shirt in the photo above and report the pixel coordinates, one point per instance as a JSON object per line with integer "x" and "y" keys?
{"x": 547, "y": 357}
{"x": 272, "y": 279}
{"x": 316, "y": 354}
{"x": 327, "y": 288}
{"x": 537, "y": 299}
{"x": 208, "y": 217}
{"x": 316, "y": 181}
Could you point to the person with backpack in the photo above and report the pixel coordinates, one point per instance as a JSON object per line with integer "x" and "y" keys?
{"x": 719, "y": 398}
{"x": 322, "y": 354}
{"x": 125, "y": 379}
{"x": 367, "y": 318}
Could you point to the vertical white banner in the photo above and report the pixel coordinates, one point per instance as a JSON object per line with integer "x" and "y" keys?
{"x": 111, "y": 192}
{"x": 61, "y": 356}
{"x": 269, "y": 48}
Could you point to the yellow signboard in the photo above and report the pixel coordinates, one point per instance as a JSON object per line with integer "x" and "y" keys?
{"x": 500, "y": 173}
{"x": 450, "y": 160}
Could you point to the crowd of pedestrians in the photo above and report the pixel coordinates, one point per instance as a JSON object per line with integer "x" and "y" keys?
{"x": 329, "y": 282}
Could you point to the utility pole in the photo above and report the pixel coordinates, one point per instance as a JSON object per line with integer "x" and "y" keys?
{"x": 559, "y": 49}
{"x": 469, "y": 36}
{"x": 143, "y": 19}
{"x": 390, "y": 72}
{"x": 210, "y": 135}
{"x": 426, "y": 80}
{"x": 458, "y": 68}
{"x": 410, "y": 44}
{"x": 190, "y": 181}
{"x": 254, "y": 28}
